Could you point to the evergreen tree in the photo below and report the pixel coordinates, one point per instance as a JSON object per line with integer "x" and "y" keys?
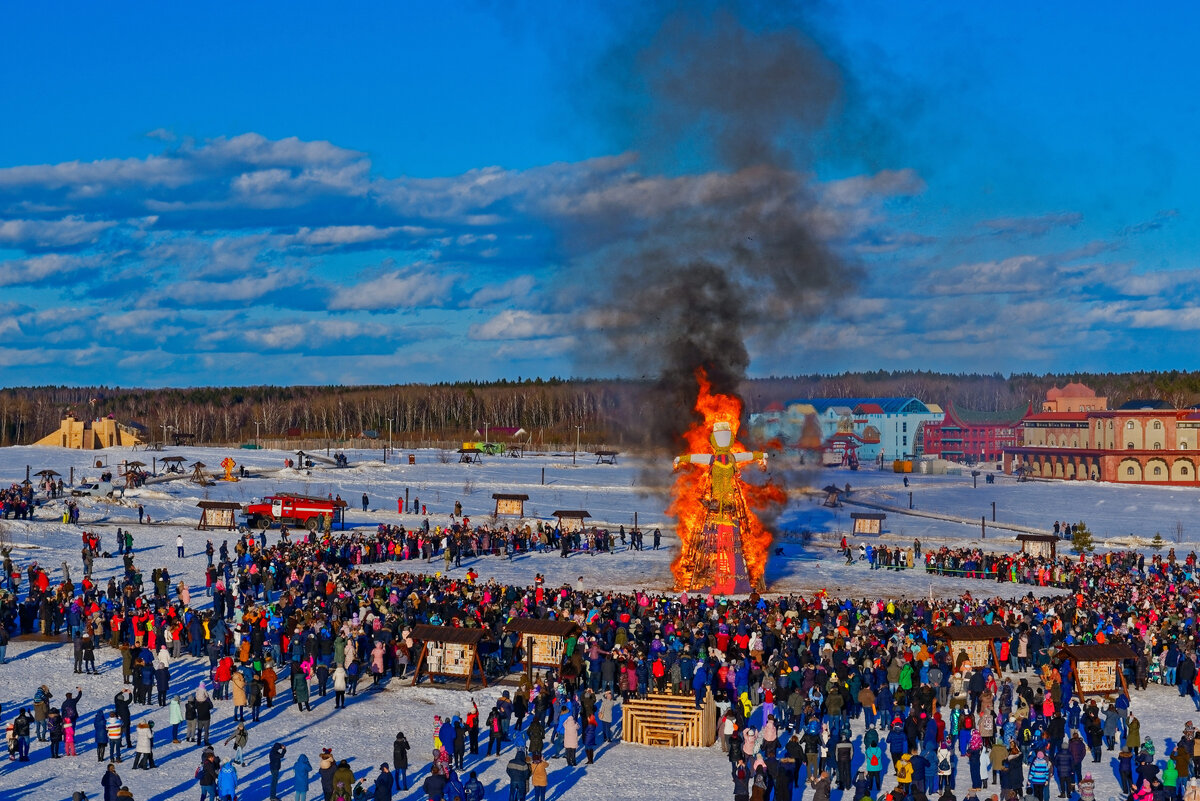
{"x": 1081, "y": 539}
{"x": 1157, "y": 542}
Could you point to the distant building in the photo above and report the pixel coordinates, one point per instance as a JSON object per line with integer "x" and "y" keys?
{"x": 1141, "y": 442}
{"x": 793, "y": 427}
{"x": 879, "y": 428}
{"x": 90, "y": 435}
{"x": 1073, "y": 397}
{"x": 965, "y": 435}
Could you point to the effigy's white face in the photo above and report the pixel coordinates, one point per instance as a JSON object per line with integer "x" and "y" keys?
{"x": 722, "y": 437}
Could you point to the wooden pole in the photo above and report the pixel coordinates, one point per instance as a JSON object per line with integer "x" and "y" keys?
{"x": 529, "y": 659}
{"x": 993, "y": 511}
{"x": 543, "y": 476}
{"x": 983, "y": 527}
{"x": 910, "y": 500}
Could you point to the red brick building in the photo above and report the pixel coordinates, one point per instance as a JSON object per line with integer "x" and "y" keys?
{"x": 969, "y": 436}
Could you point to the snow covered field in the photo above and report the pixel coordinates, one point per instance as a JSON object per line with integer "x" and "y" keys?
{"x": 364, "y": 731}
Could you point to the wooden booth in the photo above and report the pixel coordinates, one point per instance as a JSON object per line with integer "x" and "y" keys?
{"x": 470, "y": 456}
{"x": 571, "y": 519}
{"x": 974, "y": 644}
{"x": 218, "y": 514}
{"x": 544, "y": 641}
{"x": 1096, "y": 669}
{"x": 1041, "y": 545}
{"x": 450, "y": 653}
{"x": 198, "y": 476}
{"x": 868, "y": 523}
{"x": 509, "y": 505}
{"x": 606, "y": 457}
{"x": 670, "y": 721}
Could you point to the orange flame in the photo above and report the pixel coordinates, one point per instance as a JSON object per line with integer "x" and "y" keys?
{"x": 691, "y": 486}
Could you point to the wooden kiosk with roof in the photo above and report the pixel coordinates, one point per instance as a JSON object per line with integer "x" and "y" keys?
{"x": 1042, "y": 545}
{"x": 974, "y": 644}
{"x": 868, "y": 523}
{"x": 571, "y": 519}
{"x": 448, "y": 652}
{"x": 1096, "y": 669}
{"x": 670, "y": 721}
{"x": 471, "y": 455}
{"x": 545, "y": 641}
{"x": 218, "y": 514}
{"x": 509, "y": 505}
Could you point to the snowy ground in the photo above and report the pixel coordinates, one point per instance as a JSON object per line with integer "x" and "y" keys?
{"x": 363, "y": 732}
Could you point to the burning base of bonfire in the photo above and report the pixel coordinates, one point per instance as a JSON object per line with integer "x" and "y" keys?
{"x": 724, "y": 543}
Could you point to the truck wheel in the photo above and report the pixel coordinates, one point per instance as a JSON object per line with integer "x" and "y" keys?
{"x": 263, "y": 523}
{"x": 311, "y": 524}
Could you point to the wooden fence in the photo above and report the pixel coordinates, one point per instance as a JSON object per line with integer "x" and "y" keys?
{"x": 670, "y": 720}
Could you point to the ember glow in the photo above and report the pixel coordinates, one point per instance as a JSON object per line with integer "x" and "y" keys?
{"x": 692, "y": 499}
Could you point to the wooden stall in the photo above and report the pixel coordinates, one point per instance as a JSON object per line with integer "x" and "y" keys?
{"x": 868, "y": 523}
{"x": 509, "y": 505}
{"x": 606, "y": 457}
{"x": 1096, "y": 669}
{"x": 670, "y": 721}
{"x": 544, "y": 641}
{"x": 198, "y": 476}
{"x": 1042, "y": 545}
{"x": 470, "y": 456}
{"x": 450, "y": 653}
{"x": 218, "y": 514}
{"x": 978, "y": 643}
{"x": 571, "y": 519}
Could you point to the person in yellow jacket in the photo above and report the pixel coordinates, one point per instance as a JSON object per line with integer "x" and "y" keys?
{"x": 904, "y": 772}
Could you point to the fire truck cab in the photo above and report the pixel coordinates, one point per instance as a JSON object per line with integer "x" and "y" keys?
{"x": 286, "y": 509}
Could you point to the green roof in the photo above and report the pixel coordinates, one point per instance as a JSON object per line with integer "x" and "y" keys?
{"x": 972, "y": 417}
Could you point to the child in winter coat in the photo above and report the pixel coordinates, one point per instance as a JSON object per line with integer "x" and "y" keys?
{"x": 68, "y": 737}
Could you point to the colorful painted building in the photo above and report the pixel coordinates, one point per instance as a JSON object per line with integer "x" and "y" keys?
{"x": 879, "y": 428}
{"x": 965, "y": 435}
{"x": 1141, "y": 442}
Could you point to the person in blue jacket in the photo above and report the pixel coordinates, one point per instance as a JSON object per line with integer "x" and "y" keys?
{"x": 227, "y": 782}
{"x": 699, "y": 683}
{"x": 383, "y": 783}
{"x": 300, "y": 773}
{"x": 100, "y": 726}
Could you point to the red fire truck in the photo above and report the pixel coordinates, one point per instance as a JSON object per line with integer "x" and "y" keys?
{"x": 287, "y": 509}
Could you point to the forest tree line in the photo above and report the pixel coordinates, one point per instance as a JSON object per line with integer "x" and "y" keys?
{"x": 553, "y": 412}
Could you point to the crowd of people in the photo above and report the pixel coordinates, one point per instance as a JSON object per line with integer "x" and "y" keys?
{"x": 795, "y": 676}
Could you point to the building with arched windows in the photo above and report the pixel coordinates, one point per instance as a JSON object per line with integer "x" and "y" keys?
{"x": 1141, "y": 442}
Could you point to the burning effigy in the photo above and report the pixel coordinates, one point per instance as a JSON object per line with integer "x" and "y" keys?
{"x": 724, "y": 544}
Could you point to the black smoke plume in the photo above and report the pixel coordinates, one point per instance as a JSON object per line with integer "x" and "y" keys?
{"x": 726, "y": 255}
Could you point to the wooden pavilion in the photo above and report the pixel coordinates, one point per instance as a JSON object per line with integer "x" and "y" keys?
{"x": 218, "y": 514}
{"x": 973, "y": 644}
{"x": 1096, "y": 669}
{"x": 571, "y": 519}
{"x": 449, "y": 652}
{"x": 545, "y": 641}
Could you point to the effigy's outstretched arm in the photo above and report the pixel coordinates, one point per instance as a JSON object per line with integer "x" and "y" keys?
{"x": 693, "y": 458}
{"x": 751, "y": 456}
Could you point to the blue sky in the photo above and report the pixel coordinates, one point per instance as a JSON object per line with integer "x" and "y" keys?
{"x": 284, "y": 193}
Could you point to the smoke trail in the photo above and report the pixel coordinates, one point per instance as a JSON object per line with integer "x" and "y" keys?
{"x": 708, "y": 264}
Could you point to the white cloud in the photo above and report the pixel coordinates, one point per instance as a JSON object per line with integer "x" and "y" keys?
{"x": 399, "y": 289}
{"x": 70, "y": 231}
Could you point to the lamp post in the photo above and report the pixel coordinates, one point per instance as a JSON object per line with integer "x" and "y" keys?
{"x": 257, "y": 423}
{"x": 485, "y": 435}
{"x": 574, "y": 452}
{"x": 389, "y": 440}
{"x": 166, "y": 428}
